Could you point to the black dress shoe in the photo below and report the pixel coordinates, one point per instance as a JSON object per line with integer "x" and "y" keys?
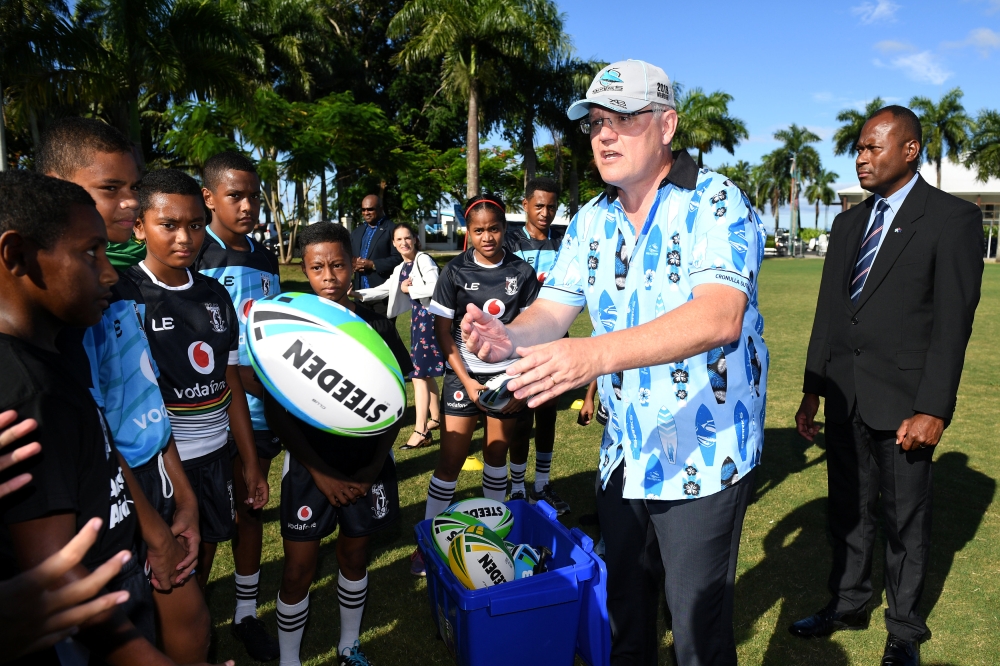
{"x": 827, "y": 621}
{"x": 900, "y": 653}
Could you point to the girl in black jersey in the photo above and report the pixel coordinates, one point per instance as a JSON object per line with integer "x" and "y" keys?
{"x": 502, "y": 285}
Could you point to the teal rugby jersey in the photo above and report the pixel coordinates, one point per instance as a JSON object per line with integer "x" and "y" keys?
{"x": 124, "y": 377}
{"x": 247, "y": 276}
{"x": 540, "y": 254}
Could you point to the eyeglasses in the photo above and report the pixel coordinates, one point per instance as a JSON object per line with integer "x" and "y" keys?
{"x": 622, "y": 121}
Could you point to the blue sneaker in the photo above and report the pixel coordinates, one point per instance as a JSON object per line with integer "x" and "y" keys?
{"x": 353, "y": 656}
{"x": 417, "y": 567}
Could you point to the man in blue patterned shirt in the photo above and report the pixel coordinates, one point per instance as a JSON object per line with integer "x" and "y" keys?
{"x": 666, "y": 261}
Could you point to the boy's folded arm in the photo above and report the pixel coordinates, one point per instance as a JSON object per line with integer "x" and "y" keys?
{"x": 164, "y": 552}
{"x": 242, "y": 430}
{"x": 110, "y": 633}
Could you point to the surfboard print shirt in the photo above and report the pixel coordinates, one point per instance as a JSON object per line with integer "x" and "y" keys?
{"x": 686, "y": 429}
{"x": 194, "y": 334}
{"x": 247, "y": 277}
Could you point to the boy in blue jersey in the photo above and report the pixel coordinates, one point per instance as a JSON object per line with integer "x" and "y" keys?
{"x": 538, "y": 244}
{"x": 100, "y": 159}
{"x": 248, "y": 272}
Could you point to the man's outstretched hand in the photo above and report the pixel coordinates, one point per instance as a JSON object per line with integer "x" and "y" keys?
{"x": 485, "y": 336}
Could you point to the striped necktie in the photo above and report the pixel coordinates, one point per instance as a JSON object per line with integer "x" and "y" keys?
{"x": 866, "y": 255}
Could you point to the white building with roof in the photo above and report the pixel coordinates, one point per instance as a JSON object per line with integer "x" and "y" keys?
{"x": 955, "y": 179}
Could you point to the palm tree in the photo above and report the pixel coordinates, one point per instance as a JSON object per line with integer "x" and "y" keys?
{"x": 946, "y": 127}
{"x": 819, "y": 190}
{"x": 846, "y": 137}
{"x": 984, "y": 146}
{"x": 740, "y": 173}
{"x": 796, "y": 151}
{"x": 703, "y": 122}
{"x": 473, "y": 38}
{"x": 772, "y": 183}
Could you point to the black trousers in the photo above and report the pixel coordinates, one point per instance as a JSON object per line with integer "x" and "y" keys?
{"x": 864, "y": 465}
{"x": 693, "y": 546}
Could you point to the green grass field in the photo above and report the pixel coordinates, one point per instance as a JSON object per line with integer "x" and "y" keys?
{"x": 784, "y": 555}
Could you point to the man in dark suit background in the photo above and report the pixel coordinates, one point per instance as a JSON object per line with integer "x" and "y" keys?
{"x": 375, "y": 257}
{"x": 899, "y": 291}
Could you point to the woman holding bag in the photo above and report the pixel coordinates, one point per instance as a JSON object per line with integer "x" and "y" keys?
{"x": 411, "y": 286}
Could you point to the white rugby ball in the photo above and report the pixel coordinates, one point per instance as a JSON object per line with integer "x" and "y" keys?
{"x": 494, "y": 515}
{"x": 479, "y": 559}
{"x": 325, "y": 365}
{"x": 496, "y": 396}
{"x": 444, "y": 528}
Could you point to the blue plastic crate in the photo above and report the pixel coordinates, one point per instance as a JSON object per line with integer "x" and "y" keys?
{"x": 593, "y": 641}
{"x": 541, "y": 614}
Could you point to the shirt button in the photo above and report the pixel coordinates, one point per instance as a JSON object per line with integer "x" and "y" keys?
{"x": 854, "y": 320}
{"x": 857, "y": 352}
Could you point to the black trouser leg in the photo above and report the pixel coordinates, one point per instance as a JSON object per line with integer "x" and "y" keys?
{"x": 853, "y": 486}
{"x": 634, "y": 571}
{"x": 699, "y": 542}
{"x": 906, "y": 508}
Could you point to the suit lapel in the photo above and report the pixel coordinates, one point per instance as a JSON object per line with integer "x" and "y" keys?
{"x": 896, "y": 238}
{"x": 852, "y": 241}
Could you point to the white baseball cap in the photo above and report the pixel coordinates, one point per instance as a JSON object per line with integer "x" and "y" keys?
{"x": 627, "y": 85}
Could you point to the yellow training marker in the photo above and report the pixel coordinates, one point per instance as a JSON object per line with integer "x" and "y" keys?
{"x": 472, "y": 464}
{"x": 577, "y": 405}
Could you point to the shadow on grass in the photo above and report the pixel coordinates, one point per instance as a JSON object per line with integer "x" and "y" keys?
{"x": 784, "y": 455}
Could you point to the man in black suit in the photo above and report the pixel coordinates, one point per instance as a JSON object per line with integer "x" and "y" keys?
{"x": 899, "y": 291}
{"x": 375, "y": 257}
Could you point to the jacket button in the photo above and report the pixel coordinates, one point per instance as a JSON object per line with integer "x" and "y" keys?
{"x": 854, "y": 320}
{"x": 857, "y": 352}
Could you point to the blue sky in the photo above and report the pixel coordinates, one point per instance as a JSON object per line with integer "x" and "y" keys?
{"x": 802, "y": 62}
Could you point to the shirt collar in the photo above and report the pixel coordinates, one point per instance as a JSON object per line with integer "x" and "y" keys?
{"x": 895, "y": 200}
{"x": 683, "y": 174}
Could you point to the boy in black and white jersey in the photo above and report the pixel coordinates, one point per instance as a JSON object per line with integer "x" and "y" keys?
{"x": 501, "y": 284}
{"x": 193, "y": 333}
{"x": 330, "y": 480}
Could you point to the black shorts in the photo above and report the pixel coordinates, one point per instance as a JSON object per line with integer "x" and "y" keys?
{"x": 134, "y": 578}
{"x": 455, "y": 401}
{"x": 268, "y": 445}
{"x": 211, "y": 478}
{"x": 158, "y": 488}
{"x": 307, "y": 515}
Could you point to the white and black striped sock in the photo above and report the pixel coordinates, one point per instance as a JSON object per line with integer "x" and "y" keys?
{"x": 517, "y": 477}
{"x": 352, "y": 595}
{"x": 246, "y": 596}
{"x": 439, "y": 496}
{"x": 543, "y": 463}
{"x": 291, "y": 624}
{"x": 494, "y": 482}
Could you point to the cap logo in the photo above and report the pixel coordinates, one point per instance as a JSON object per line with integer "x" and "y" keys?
{"x": 663, "y": 90}
{"x": 617, "y": 102}
{"x": 611, "y": 76}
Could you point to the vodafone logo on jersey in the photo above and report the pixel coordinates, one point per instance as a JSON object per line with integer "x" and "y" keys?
{"x": 304, "y": 513}
{"x": 495, "y": 307}
{"x": 147, "y": 368}
{"x": 459, "y": 396}
{"x": 201, "y": 356}
{"x": 244, "y": 310}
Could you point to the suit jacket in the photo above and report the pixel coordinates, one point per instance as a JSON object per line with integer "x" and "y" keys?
{"x": 900, "y": 350}
{"x": 381, "y": 251}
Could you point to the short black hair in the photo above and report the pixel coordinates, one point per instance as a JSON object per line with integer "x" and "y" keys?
{"x": 69, "y": 143}
{"x": 908, "y": 121}
{"x": 229, "y": 160}
{"x": 38, "y": 206}
{"x": 490, "y": 202}
{"x": 543, "y": 184}
{"x": 325, "y": 232}
{"x": 166, "y": 181}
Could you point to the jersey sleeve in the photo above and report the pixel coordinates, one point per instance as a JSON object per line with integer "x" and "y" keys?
{"x": 444, "y": 301}
{"x": 565, "y": 282}
{"x": 725, "y": 239}
{"x": 529, "y": 291}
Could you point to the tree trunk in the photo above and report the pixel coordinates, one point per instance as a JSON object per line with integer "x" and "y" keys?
{"x": 36, "y": 137}
{"x": 574, "y": 185}
{"x": 557, "y": 143}
{"x": 816, "y": 225}
{"x": 472, "y": 145}
{"x": 939, "y": 171}
{"x": 322, "y": 195}
{"x": 528, "y": 147}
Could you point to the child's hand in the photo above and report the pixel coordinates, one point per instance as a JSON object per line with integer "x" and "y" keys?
{"x": 164, "y": 557}
{"x": 513, "y": 405}
{"x": 185, "y": 529}
{"x": 340, "y": 492}
{"x": 473, "y": 389}
{"x": 586, "y": 413}
{"x": 257, "y": 488}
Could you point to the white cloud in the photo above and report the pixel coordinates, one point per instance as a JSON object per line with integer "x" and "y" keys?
{"x": 876, "y": 12}
{"x": 892, "y": 46}
{"x": 824, "y": 133}
{"x": 823, "y": 96}
{"x": 982, "y": 39}
{"x": 922, "y": 67}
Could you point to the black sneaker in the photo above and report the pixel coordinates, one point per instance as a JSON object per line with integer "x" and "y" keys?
{"x": 548, "y": 493}
{"x": 258, "y": 643}
{"x": 517, "y": 495}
